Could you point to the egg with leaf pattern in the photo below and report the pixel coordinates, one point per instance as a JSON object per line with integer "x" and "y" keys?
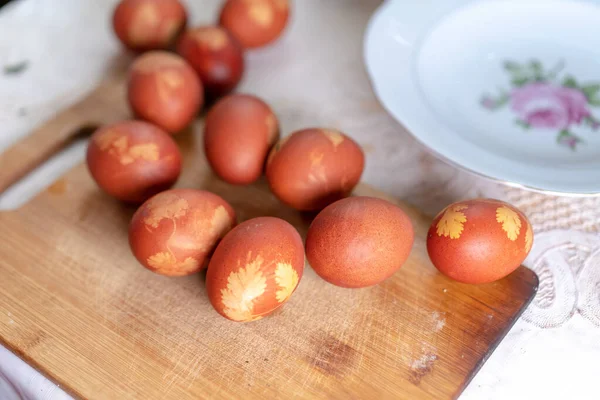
{"x": 255, "y": 23}
{"x": 255, "y": 269}
{"x": 479, "y": 241}
{"x": 143, "y": 25}
{"x": 312, "y": 168}
{"x": 133, "y": 160}
{"x": 174, "y": 232}
{"x": 163, "y": 89}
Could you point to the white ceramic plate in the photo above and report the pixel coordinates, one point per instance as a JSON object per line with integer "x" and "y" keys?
{"x": 508, "y": 89}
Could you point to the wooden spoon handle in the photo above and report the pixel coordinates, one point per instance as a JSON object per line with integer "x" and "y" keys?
{"x": 80, "y": 120}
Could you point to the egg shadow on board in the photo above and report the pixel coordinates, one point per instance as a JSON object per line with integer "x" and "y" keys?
{"x": 100, "y": 203}
{"x": 252, "y": 201}
{"x": 308, "y": 216}
{"x": 202, "y": 273}
{"x": 186, "y": 140}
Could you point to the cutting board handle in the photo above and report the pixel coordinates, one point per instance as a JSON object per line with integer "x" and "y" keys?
{"x": 26, "y": 155}
{"x": 78, "y": 121}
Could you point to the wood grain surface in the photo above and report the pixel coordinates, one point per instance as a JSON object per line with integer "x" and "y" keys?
{"x": 76, "y": 305}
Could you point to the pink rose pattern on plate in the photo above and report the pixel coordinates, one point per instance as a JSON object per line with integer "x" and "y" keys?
{"x": 542, "y": 101}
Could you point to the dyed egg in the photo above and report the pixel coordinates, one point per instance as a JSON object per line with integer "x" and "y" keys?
{"x": 164, "y": 89}
{"x": 313, "y": 168}
{"x": 255, "y": 23}
{"x": 216, "y": 56}
{"x": 175, "y": 231}
{"x": 479, "y": 241}
{"x": 143, "y": 25}
{"x": 133, "y": 160}
{"x": 359, "y": 241}
{"x": 255, "y": 269}
{"x": 239, "y": 131}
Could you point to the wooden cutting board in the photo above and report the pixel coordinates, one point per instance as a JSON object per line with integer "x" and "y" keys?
{"x": 76, "y": 305}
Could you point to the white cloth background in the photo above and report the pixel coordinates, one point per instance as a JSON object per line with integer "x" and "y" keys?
{"x": 315, "y": 76}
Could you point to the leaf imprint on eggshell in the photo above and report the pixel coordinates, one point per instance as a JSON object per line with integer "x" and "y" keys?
{"x": 528, "y": 238}
{"x": 165, "y": 206}
{"x": 166, "y": 83}
{"x": 452, "y": 222}
{"x": 334, "y": 136}
{"x": 220, "y": 222}
{"x": 165, "y": 261}
{"x": 317, "y": 170}
{"x": 118, "y": 146}
{"x": 243, "y": 288}
{"x": 213, "y": 38}
{"x": 146, "y": 151}
{"x": 261, "y": 12}
{"x": 286, "y": 278}
{"x": 206, "y": 230}
{"x": 511, "y": 223}
{"x": 144, "y": 24}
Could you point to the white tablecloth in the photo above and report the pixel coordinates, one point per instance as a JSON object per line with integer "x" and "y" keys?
{"x": 315, "y": 76}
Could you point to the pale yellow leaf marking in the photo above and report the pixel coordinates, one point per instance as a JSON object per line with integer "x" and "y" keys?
{"x": 528, "y": 238}
{"x": 168, "y": 206}
{"x": 165, "y": 262}
{"x": 317, "y": 170}
{"x": 118, "y": 146}
{"x": 162, "y": 260}
{"x": 172, "y": 79}
{"x": 286, "y": 278}
{"x": 261, "y": 13}
{"x": 451, "y": 222}
{"x": 166, "y": 83}
{"x": 147, "y": 152}
{"x": 316, "y": 159}
{"x": 206, "y": 231}
{"x": 220, "y": 223}
{"x": 165, "y": 206}
{"x": 334, "y": 136}
{"x": 188, "y": 265}
{"x": 243, "y": 288}
{"x": 511, "y": 223}
{"x": 106, "y": 138}
{"x": 213, "y": 38}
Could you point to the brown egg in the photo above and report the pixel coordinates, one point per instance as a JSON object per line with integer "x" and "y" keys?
{"x": 133, "y": 160}
{"x": 479, "y": 241}
{"x": 255, "y": 23}
{"x": 143, "y": 25}
{"x": 255, "y": 269}
{"x": 312, "y": 168}
{"x": 216, "y": 56}
{"x": 175, "y": 231}
{"x": 359, "y": 241}
{"x": 240, "y": 129}
{"x": 164, "y": 89}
